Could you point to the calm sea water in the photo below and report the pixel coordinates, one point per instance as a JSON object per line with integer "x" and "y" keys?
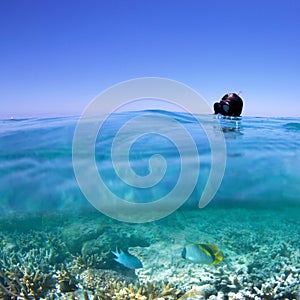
{"x": 36, "y": 171}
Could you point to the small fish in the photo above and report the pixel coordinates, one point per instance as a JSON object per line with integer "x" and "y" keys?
{"x": 127, "y": 260}
{"x": 202, "y": 253}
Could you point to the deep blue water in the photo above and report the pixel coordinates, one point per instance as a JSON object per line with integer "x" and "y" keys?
{"x": 36, "y": 170}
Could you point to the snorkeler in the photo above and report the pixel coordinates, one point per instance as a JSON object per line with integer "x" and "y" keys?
{"x": 230, "y": 105}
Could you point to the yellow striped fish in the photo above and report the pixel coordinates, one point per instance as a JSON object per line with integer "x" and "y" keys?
{"x": 202, "y": 253}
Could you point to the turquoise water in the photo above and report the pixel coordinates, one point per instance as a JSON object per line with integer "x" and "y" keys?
{"x": 56, "y": 245}
{"x": 262, "y": 162}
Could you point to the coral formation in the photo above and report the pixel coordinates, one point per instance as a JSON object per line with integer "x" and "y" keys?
{"x": 140, "y": 291}
{"x": 24, "y": 285}
{"x": 40, "y": 263}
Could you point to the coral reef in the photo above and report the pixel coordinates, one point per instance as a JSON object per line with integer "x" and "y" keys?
{"x": 46, "y": 261}
{"x": 93, "y": 279}
{"x": 140, "y": 291}
{"x": 25, "y": 285}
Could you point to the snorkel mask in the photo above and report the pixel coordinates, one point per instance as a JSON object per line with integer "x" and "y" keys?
{"x": 222, "y": 108}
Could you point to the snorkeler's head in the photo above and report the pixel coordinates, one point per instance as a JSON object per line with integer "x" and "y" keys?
{"x": 230, "y": 105}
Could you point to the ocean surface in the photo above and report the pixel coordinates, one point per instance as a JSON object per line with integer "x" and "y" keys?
{"x": 262, "y": 161}
{"x": 52, "y": 236}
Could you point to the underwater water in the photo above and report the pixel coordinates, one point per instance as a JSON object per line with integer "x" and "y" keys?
{"x": 55, "y": 244}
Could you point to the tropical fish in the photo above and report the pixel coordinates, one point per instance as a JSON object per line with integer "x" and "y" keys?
{"x": 127, "y": 260}
{"x": 202, "y": 253}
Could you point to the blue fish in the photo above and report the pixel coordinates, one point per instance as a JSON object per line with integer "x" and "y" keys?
{"x": 127, "y": 260}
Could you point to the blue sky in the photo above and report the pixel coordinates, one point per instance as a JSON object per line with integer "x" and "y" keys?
{"x": 56, "y": 56}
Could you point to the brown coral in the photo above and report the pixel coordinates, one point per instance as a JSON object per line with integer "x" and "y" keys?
{"x": 140, "y": 291}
